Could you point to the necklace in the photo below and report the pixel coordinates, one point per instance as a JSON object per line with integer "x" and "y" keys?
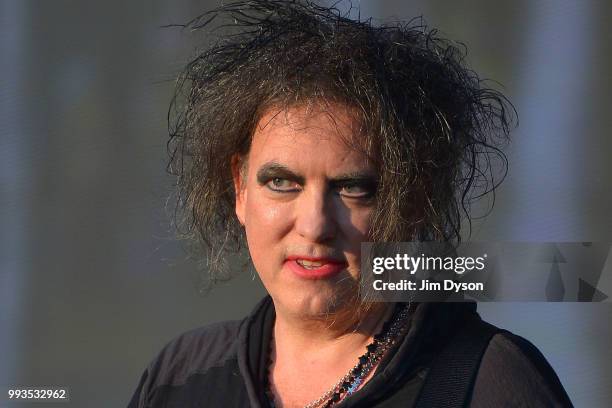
{"x": 391, "y": 332}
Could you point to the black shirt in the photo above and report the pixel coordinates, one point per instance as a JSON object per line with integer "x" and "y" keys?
{"x": 224, "y": 365}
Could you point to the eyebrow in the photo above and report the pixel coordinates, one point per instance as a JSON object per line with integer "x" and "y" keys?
{"x": 274, "y": 169}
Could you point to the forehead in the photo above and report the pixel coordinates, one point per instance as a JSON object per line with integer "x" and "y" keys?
{"x": 301, "y": 129}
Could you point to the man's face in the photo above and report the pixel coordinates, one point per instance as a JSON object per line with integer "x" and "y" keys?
{"x": 306, "y": 200}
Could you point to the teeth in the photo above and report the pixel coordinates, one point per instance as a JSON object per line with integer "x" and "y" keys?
{"x": 309, "y": 264}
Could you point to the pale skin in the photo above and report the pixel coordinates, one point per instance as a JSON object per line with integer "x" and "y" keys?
{"x": 303, "y": 191}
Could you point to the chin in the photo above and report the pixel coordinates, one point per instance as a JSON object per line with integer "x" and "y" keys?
{"x": 316, "y": 303}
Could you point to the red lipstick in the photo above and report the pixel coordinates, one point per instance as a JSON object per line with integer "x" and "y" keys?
{"x": 308, "y": 267}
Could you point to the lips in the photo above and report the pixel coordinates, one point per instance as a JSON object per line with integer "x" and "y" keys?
{"x": 314, "y": 268}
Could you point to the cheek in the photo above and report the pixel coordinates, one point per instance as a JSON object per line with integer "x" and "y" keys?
{"x": 266, "y": 222}
{"x": 261, "y": 213}
{"x": 356, "y": 223}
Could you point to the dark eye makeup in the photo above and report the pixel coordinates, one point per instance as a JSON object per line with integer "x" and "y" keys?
{"x": 355, "y": 187}
{"x": 282, "y": 185}
{"x": 278, "y": 178}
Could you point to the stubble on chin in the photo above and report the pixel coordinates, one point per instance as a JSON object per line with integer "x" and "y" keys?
{"x": 341, "y": 310}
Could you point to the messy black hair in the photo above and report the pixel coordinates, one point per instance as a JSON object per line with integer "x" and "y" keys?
{"x": 429, "y": 123}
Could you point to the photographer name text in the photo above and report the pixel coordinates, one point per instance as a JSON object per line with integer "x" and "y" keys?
{"x": 426, "y": 285}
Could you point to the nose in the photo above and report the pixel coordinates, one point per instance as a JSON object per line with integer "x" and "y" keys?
{"x": 315, "y": 217}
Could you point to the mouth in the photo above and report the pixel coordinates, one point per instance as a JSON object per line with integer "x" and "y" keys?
{"x": 315, "y": 268}
{"x": 310, "y": 264}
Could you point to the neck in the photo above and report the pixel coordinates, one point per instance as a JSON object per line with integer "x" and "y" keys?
{"x": 321, "y": 350}
{"x": 339, "y": 328}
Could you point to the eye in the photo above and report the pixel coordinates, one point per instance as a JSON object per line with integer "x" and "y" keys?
{"x": 357, "y": 190}
{"x": 282, "y": 185}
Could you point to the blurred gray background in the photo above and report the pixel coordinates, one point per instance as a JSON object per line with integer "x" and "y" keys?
{"x": 92, "y": 282}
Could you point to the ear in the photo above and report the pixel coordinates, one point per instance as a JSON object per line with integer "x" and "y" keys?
{"x": 239, "y": 177}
